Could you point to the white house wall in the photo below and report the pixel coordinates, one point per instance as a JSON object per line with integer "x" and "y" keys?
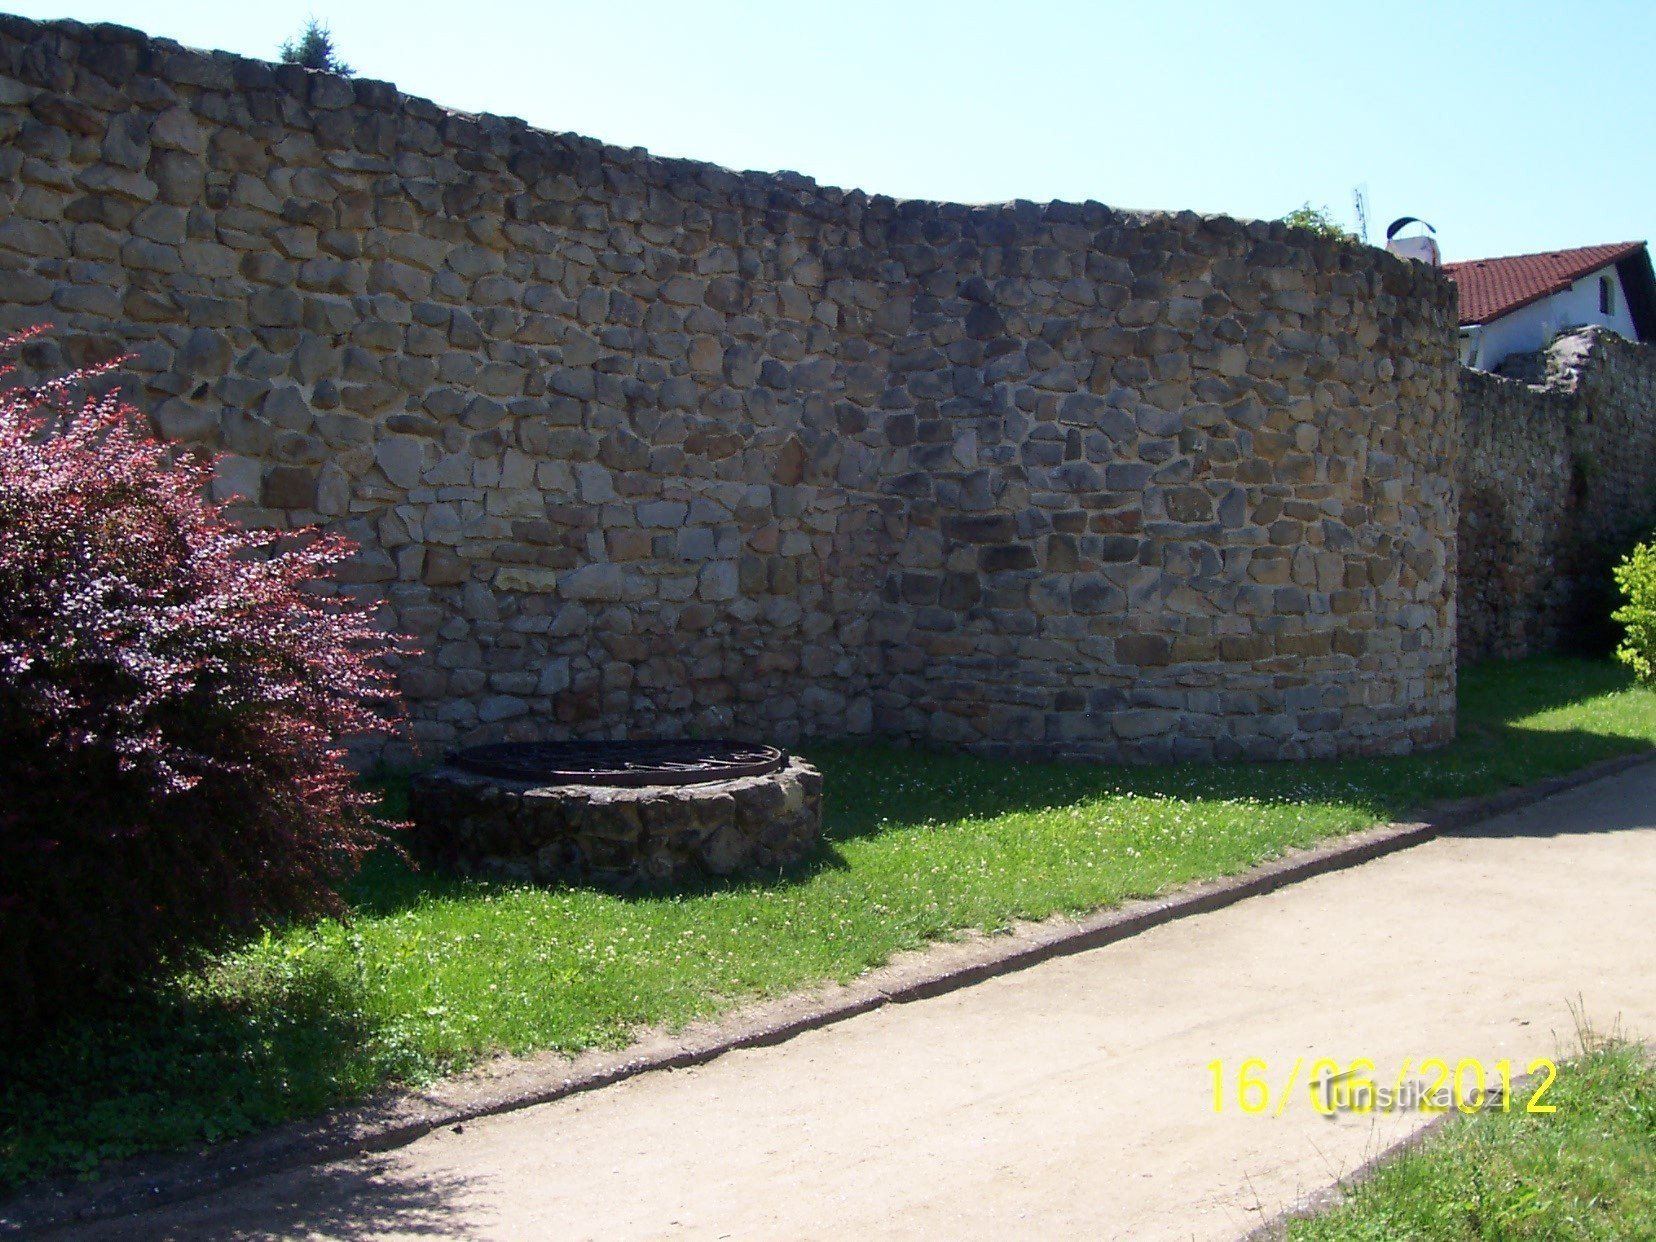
{"x": 1532, "y": 327}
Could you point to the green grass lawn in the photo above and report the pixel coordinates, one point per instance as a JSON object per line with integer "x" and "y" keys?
{"x": 431, "y": 974}
{"x": 1585, "y": 1171}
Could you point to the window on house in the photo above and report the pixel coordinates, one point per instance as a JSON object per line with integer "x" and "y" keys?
{"x": 1607, "y": 295}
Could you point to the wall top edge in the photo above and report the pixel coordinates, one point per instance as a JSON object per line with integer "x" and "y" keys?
{"x": 118, "y": 53}
{"x": 1571, "y": 356}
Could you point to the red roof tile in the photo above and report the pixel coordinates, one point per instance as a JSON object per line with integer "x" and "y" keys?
{"x": 1490, "y": 288}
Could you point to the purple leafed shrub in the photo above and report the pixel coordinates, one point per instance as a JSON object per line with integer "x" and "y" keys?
{"x": 172, "y": 692}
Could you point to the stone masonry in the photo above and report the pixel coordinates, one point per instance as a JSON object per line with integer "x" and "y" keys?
{"x": 647, "y": 447}
{"x": 1552, "y": 473}
{"x": 654, "y": 836}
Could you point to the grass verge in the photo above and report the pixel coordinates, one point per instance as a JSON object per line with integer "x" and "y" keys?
{"x": 431, "y": 974}
{"x": 1587, "y": 1170}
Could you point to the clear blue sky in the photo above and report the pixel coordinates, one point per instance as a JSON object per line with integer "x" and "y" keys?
{"x": 1512, "y": 127}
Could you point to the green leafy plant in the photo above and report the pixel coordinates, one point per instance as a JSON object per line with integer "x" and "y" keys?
{"x": 313, "y": 48}
{"x": 1316, "y": 220}
{"x": 1636, "y": 576}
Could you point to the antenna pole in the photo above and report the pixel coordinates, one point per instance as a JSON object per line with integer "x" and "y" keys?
{"x": 1359, "y": 199}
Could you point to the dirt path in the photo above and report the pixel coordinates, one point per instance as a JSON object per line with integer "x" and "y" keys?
{"x": 1070, "y": 1100}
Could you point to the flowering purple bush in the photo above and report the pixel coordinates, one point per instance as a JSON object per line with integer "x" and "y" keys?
{"x": 171, "y": 695}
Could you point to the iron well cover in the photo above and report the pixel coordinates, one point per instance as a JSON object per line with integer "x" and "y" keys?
{"x": 630, "y": 763}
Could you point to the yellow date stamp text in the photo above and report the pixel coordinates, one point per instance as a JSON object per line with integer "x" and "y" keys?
{"x": 1333, "y": 1087}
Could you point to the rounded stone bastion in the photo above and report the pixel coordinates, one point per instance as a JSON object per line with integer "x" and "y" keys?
{"x": 485, "y": 824}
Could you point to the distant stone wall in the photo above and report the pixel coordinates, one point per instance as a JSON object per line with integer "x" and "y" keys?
{"x": 1514, "y": 501}
{"x": 642, "y": 446}
{"x": 1551, "y": 475}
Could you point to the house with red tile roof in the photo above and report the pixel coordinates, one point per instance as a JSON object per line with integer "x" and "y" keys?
{"x": 1518, "y": 304}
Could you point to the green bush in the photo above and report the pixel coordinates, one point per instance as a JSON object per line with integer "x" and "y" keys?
{"x": 1636, "y": 576}
{"x": 172, "y": 688}
{"x": 1317, "y": 220}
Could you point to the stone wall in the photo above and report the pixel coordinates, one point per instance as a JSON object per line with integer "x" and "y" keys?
{"x": 642, "y": 446}
{"x": 1552, "y": 475}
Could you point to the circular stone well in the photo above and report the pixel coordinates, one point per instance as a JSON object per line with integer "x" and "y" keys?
{"x": 620, "y": 814}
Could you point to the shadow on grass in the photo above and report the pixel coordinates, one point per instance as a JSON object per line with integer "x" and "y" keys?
{"x": 1482, "y": 761}
{"x": 176, "y": 1070}
{"x": 387, "y": 885}
{"x": 1509, "y": 689}
{"x": 875, "y": 787}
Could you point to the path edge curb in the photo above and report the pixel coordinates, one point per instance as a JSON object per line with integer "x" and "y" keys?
{"x": 397, "y": 1119}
